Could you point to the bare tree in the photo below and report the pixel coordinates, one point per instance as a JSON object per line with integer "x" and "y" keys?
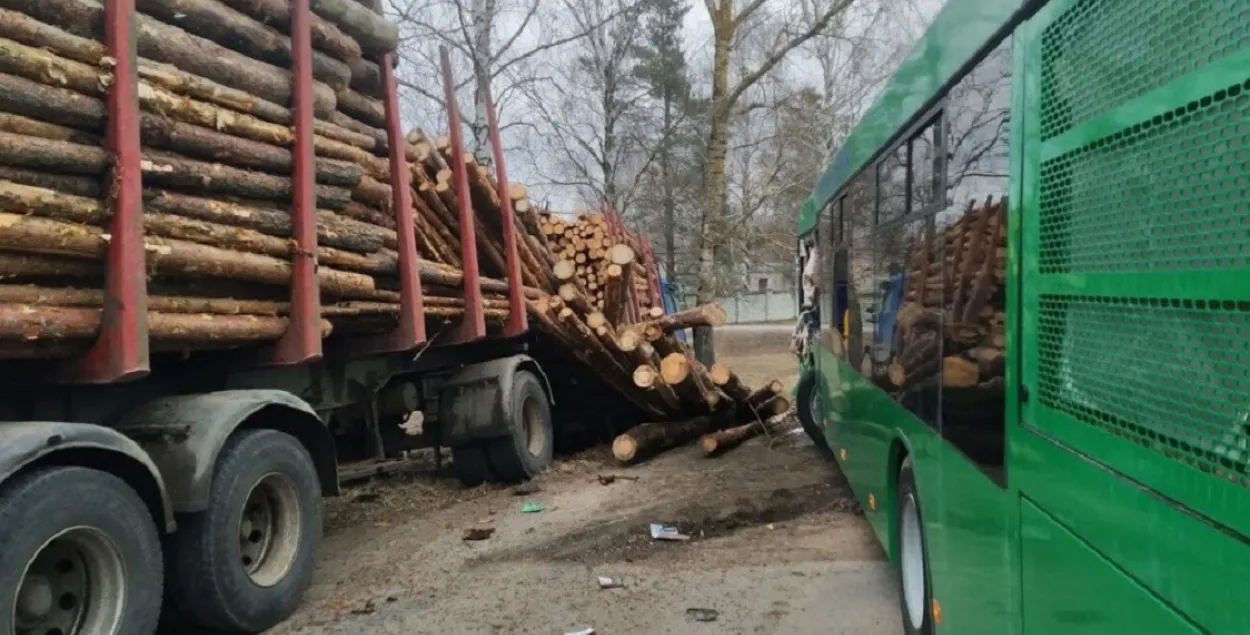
{"x": 728, "y": 19}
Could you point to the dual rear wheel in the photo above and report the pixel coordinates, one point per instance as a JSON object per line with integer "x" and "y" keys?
{"x": 83, "y": 556}
{"x": 525, "y": 451}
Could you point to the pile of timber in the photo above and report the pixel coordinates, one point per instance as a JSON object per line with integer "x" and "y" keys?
{"x": 215, "y": 92}
{"x": 950, "y": 331}
{"x": 586, "y": 240}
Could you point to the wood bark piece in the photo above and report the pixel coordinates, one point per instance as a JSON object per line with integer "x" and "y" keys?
{"x": 372, "y": 31}
{"x": 169, "y": 170}
{"x": 218, "y": 22}
{"x": 325, "y": 36}
{"x": 649, "y": 439}
{"x": 25, "y": 322}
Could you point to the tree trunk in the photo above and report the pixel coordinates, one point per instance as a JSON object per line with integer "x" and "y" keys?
{"x": 206, "y": 144}
{"x": 25, "y": 322}
{"x": 30, "y": 234}
{"x": 325, "y": 36}
{"x": 366, "y": 109}
{"x": 94, "y": 298}
{"x": 169, "y": 44}
{"x": 18, "y": 124}
{"x": 705, "y": 315}
{"x": 22, "y": 96}
{"x": 372, "y": 31}
{"x": 216, "y": 21}
{"x": 645, "y": 441}
{"x": 33, "y": 153}
{"x": 65, "y": 183}
{"x": 168, "y": 170}
{"x": 17, "y": 266}
{"x": 717, "y": 443}
{"x": 734, "y": 388}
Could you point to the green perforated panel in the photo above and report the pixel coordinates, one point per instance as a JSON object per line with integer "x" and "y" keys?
{"x": 1171, "y": 375}
{"x": 1102, "y": 53}
{"x": 1168, "y": 194}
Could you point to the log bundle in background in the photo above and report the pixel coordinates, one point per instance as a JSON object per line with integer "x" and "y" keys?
{"x": 950, "y": 330}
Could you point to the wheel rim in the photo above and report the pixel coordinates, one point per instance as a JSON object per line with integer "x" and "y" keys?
{"x": 814, "y": 407}
{"x": 531, "y": 416}
{"x": 74, "y": 585}
{"x": 269, "y": 530}
{"x": 911, "y": 559}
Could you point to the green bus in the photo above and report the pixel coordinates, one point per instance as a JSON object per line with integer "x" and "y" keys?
{"x": 1033, "y": 355}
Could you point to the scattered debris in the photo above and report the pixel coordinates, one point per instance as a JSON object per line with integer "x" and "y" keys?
{"x": 530, "y": 507}
{"x": 478, "y": 533}
{"x": 662, "y": 531}
{"x": 369, "y": 607}
{"x": 365, "y": 497}
{"x": 608, "y": 479}
{"x": 702, "y": 615}
{"x": 610, "y": 582}
{"x": 391, "y": 598}
{"x": 584, "y": 631}
{"x": 526, "y": 488}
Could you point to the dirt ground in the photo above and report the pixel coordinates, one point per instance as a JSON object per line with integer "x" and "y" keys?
{"x": 777, "y": 544}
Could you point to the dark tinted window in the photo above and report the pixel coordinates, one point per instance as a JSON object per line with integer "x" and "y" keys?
{"x": 859, "y": 209}
{"x": 892, "y": 185}
{"x": 924, "y": 173}
{"x": 972, "y": 229}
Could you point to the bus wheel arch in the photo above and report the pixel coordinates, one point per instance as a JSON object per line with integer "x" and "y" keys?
{"x": 912, "y": 562}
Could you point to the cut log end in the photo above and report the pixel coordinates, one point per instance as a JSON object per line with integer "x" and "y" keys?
{"x": 624, "y": 448}
{"x": 644, "y": 377}
{"x": 675, "y": 368}
{"x": 721, "y": 374}
{"x": 621, "y": 254}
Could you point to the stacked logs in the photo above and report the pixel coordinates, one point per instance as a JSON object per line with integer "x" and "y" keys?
{"x": 950, "y": 330}
{"x": 586, "y": 241}
{"x": 215, "y": 96}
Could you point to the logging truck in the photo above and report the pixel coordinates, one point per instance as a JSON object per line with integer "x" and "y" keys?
{"x": 1052, "y": 435}
{"x": 168, "y": 423}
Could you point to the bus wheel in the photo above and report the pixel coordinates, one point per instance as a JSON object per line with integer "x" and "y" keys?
{"x": 810, "y": 412}
{"x": 244, "y": 564}
{"x": 528, "y": 448}
{"x": 81, "y": 555}
{"x": 913, "y": 556}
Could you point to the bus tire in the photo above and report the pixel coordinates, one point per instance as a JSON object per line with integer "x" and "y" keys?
{"x": 244, "y": 564}
{"x": 81, "y": 555}
{"x": 529, "y": 445}
{"x": 469, "y": 464}
{"x": 915, "y": 582}
{"x": 809, "y": 412}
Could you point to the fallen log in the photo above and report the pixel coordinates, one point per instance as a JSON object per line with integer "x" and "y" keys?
{"x": 646, "y": 440}
{"x": 733, "y": 387}
{"x": 717, "y": 443}
{"x": 704, "y": 315}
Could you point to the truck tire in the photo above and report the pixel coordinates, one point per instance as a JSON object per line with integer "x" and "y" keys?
{"x": 810, "y": 413}
{"x": 470, "y": 464}
{"x": 528, "y": 448}
{"x": 81, "y": 555}
{"x": 915, "y": 582}
{"x": 243, "y": 564}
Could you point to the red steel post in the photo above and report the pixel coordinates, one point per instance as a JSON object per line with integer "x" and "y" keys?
{"x": 120, "y": 352}
{"x": 411, "y": 329}
{"x": 517, "y": 315}
{"x": 302, "y": 340}
{"x": 473, "y": 326}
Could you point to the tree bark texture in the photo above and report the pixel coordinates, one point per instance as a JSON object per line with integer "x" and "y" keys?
{"x": 325, "y": 36}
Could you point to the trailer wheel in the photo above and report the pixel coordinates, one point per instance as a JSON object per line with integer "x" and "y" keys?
{"x": 244, "y": 564}
{"x": 81, "y": 555}
{"x": 916, "y": 598}
{"x": 470, "y": 464}
{"x": 528, "y": 448}
{"x": 810, "y": 411}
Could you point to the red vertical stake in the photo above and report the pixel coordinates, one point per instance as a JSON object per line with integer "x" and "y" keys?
{"x": 517, "y": 315}
{"x": 302, "y": 340}
{"x": 410, "y": 331}
{"x": 473, "y": 325}
{"x": 120, "y": 352}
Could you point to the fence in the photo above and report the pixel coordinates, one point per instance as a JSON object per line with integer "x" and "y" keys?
{"x": 755, "y": 308}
